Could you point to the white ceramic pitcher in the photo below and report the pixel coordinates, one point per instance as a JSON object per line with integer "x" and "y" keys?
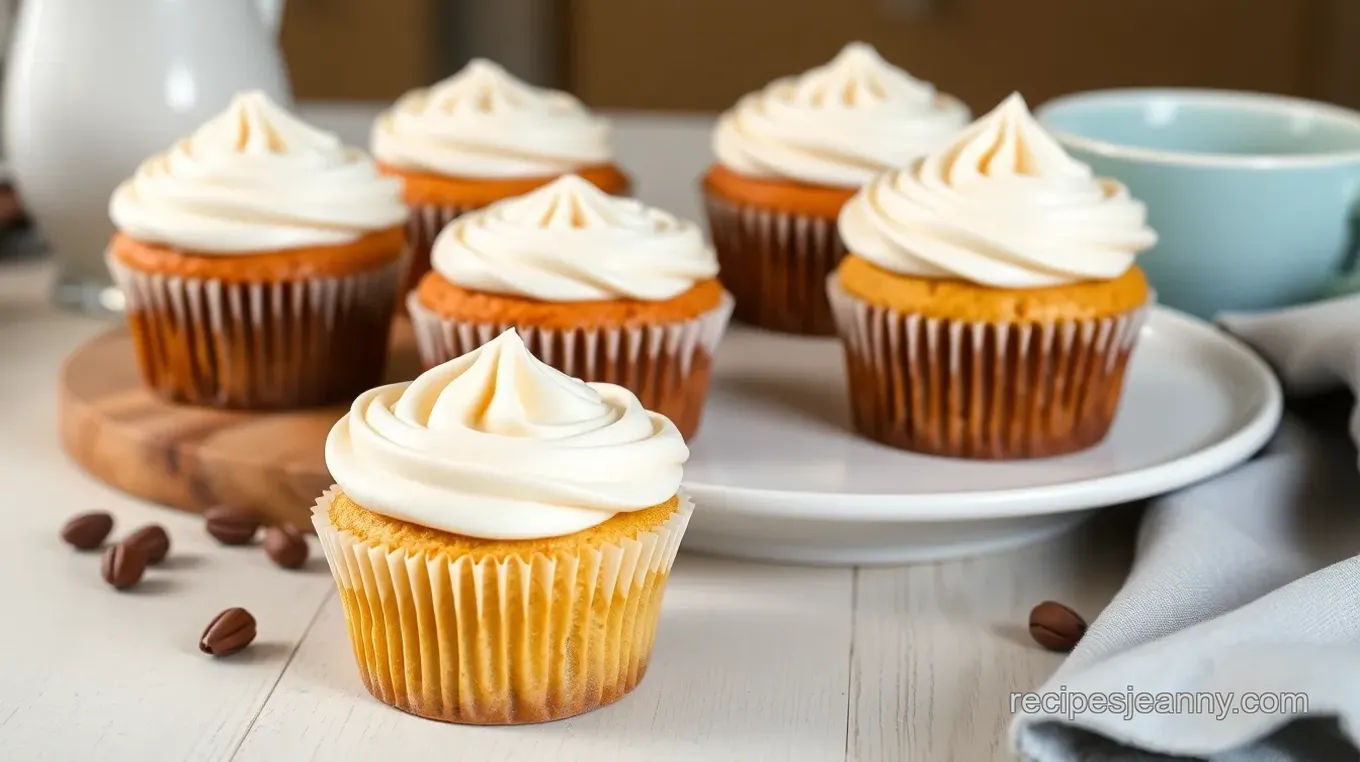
{"x": 93, "y": 87}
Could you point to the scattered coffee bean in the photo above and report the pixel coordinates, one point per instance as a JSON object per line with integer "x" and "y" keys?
{"x": 1056, "y": 627}
{"x": 123, "y": 565}
{"x": 153, "y": 540}
{"x": 230, "y": 525}
{"x": 286, "y": 545}
{"x": 88, "y": 530}
{"x": 228, "y": 632}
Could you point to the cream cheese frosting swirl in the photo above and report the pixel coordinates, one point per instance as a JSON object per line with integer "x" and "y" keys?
{"x": 837, "y": 125}
{"x": 569, "y": 241}
{"x": 256, "y": 178}
{"x": 484, "y": 123}
{"x": 1001, "y": 205}
{"x": 497, "y": 445}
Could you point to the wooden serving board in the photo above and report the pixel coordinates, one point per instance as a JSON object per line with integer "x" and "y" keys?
{"x": 193, "y": 458}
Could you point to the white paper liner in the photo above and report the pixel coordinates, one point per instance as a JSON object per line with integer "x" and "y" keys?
{"x": 983, "y": 390}
{"x": 506, "y": 641}
{"x": 775, "y": 264}
{"x": 286, "y": 344}
{"x": 661, "y": 364}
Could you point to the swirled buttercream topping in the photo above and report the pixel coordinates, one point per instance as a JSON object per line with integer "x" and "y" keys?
{"x": 256, "y": 179}
{"x": 498, "y": 445}
{"x": 1001, "y": 205}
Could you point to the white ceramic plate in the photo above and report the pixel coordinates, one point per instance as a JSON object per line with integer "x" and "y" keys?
{"x": 778, "y": 474}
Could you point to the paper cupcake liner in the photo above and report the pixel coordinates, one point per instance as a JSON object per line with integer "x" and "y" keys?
{"x": 982, "y": 390}
{"x": 667, "y": 365}
{"x": 422, "y": 226}
{"x": 502, "y": 641}
{"x": 281, "y": 345}
{"x": 776, "y": 265}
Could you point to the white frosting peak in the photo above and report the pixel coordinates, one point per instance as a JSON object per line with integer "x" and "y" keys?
{"x": 569, "y": 241}
{"x": 838, "y": 124}
{"x": 484, "y": 123}
{"x": 1001, "y": 205}
{"x": 495, "y": 444}
{"x": 256, "y": 178}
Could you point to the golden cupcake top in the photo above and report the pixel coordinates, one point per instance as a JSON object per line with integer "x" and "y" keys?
{"x": 1000, "y": 205}
{"x": 836, "y": 125}
{"x": 498, "y": 445}
{"x": 255, "y": 178}
{"x": 571, "y": 242}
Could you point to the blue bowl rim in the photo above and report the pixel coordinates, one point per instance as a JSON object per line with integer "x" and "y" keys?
{"x": 1254, "y": 100}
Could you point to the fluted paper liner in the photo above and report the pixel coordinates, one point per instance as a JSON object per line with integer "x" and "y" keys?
{"x": 502, "y": 641}
{"x": 422, "y": 227}
{"x": 666, "y": 365}
{"x": 982, "y": 390}
{"x": 260, "y": 345}
{"x": 775, "y": 264}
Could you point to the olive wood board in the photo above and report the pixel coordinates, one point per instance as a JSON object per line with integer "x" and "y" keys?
{"x": 193, "y": 458}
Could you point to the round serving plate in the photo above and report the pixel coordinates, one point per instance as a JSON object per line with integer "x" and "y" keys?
{"x": 778, "y": 474}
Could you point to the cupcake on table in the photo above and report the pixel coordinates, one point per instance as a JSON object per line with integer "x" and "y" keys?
{"x": 601, "y": 287}
{"x": 260, "y": 260}
{"x": 989, "y": 302}
{"x": 501, "y": 535}
{"x": 790, "y": 156}
{"x": 481, "y": 136}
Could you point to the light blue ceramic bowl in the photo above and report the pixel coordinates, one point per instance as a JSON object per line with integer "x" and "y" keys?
{"x": 1253, "y": 196}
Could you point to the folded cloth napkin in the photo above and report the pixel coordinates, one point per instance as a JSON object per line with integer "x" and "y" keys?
{"x": 1236, "y": 637}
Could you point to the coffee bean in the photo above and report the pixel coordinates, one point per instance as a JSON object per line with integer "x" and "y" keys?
{"x": 88, "y": 530}
{"x": 1056, "y": 627}
{"x": 228, "y": 632}
{"x": 286, "y": 545}
{"x": 153, "y": 540}
{"x": 230, "y": 525}
{"x": 123, "y": 565}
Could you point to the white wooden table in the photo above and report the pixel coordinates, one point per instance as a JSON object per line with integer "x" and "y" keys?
{"x": 753, "y": 662}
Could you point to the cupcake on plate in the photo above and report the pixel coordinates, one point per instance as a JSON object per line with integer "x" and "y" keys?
{"x": 601, "y": 287}
{"x": 788, "y": 158}
{"x": 501, "y": 535}
{"x": 989, "y": 302}
{"x": 481, "y": 136}
{"x": 259, "y": 260}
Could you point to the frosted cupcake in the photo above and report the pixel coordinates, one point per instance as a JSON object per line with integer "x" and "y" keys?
{"x": 501, "y": 535}
{"x": 481, "y": 136}
{"x": 601, "y": 287}
{"x": 788, "y": 158}
{"x": 259, "y": 259}
{"x": 990, "y": 303}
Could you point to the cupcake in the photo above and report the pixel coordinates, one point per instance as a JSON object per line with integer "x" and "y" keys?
{"x": 259, "y": 259}
{"x": 989, "y": 302}
{"x": 501, "y": 535}
{"x": 602, "y": 288}
{"x": 481, "y": 136}
{"x": 788, "y": 158}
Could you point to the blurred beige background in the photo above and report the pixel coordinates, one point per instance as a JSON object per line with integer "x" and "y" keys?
{"x": 699, "y": 55}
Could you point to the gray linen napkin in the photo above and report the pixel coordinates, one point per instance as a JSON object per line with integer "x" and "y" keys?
{"x": 1236, "y": 637}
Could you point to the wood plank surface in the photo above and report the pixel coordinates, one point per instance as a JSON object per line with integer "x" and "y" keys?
{"x": 751, "y": 664}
